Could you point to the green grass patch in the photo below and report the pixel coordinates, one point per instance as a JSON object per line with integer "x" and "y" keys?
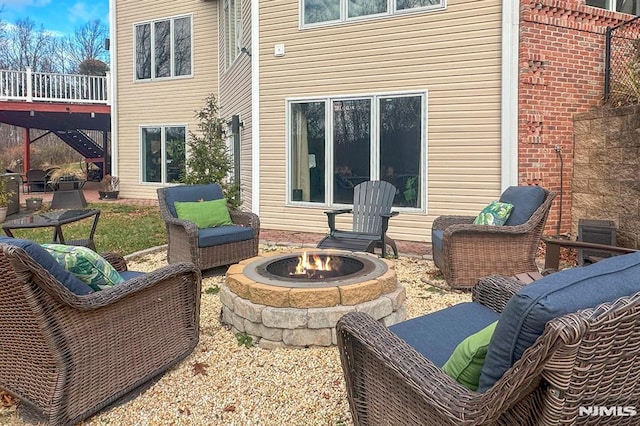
{"x": 122, "y": 228}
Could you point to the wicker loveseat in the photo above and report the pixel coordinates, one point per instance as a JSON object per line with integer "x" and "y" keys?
{"x": 209, "y": 247}
{"x": 564, "y": 351}
{"x": 465, "y": 252}
{"x": 66, "y": 356}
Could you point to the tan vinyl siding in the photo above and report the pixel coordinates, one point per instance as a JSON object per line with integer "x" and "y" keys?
{"x": 454, "y": 54}
{"x": 161, "y": 102}
{"x": 235, "y": 98}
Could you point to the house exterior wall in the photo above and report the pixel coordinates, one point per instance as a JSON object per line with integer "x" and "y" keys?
{"x": 160, "y": 102}
{"x": 561, "y": 56}
{"x": 235, "y": 98}
{"x": 453, "y": 54}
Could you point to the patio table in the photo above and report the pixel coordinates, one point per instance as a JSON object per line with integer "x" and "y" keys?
{"x": 55, "y": 219}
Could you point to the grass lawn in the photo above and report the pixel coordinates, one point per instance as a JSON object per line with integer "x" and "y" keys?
{"x": 121, "y": 228}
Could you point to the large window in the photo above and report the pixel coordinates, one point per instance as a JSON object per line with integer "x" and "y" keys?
{"x": 325, "y": 11}
{"x": 352, "y": 140}
{"x": 632, "y": 7}
{"x": 232, "y": 30}
{"x": 163, "y": 48}
{"x": 163, "y": 154}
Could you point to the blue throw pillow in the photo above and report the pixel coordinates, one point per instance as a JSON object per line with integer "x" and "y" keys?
{"x": 41, "y": 256}
{"x": 528, "y": 311}
{"x": 525, "y": 200}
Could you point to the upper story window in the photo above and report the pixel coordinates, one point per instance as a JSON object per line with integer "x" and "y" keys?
{"x": 232, "y": 30}
{"x": 632, "y": 7}
{"x": 163, "y": 48}
{"x": 331, "y": 11}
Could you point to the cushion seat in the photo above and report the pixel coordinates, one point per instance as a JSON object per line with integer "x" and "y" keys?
{"x": 219, "y": 235}
{"x": 437, "y": 334}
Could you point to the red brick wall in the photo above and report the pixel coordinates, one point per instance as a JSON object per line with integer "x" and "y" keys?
{"x": 561, "y": 68}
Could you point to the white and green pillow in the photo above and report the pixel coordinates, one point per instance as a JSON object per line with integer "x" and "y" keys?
{"x": 496, "y": 213}
{"x": 87, "y": 265}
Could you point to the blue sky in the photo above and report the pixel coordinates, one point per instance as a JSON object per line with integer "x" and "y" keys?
{"x": 60, "y": 16}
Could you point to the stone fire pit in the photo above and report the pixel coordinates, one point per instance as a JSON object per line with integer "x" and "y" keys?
{"x": 282, "y": 309}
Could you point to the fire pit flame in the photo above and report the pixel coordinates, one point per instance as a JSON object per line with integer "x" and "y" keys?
{"x": 315, "y": 266}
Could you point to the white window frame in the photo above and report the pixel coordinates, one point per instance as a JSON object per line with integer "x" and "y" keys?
{"x": 163, "y": 151}
{"x": 391, "y": 11}
{"x": 375, "y": 146}
{"x": 232, "y": 10}
{"x": 152, "y": 23}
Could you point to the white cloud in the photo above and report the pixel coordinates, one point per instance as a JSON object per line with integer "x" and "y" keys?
{"x": 79, "y": 12}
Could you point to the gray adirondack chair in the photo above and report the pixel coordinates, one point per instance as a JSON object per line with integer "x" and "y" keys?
{"x": 371, "y": 211}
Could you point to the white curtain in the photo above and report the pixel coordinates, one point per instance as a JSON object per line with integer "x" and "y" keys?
{"x": 301, "y": 154}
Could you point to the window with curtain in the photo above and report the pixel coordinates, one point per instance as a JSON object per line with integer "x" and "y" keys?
{"x": 232, "y": 30}
{"x": 330, "y": 11}
{"x": 378, "y": 137}
{"x": 632, "y": 7}
{"x": 163, "y": 152}
{"x": 163, "y": 48}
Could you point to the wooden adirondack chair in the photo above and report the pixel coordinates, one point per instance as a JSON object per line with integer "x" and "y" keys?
{"x": 371, "y": 210}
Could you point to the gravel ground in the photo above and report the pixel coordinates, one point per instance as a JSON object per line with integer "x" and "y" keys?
{"x": 223, "y": 383}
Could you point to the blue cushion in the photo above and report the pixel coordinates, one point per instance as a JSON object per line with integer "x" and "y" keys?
{"x": 127, "y": 275}
{"x": 207, "y": 192}
{"x": 41, "y": 256}
{"x": 437, "y": 334}
{"x": 223, "y": 235}
{"x": 437, "y": 235}
{"x": 525, "y": 315}
{"x": 525, "y": 200}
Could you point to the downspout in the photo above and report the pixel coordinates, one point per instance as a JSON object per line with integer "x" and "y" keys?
{"x": 559, "y": 152}
{"x": 113, "y": 89}
{"x": 255, "y": 106}
{"x": 509, "y": 98}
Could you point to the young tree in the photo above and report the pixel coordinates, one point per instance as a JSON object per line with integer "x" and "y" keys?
{"x": 208, "y": 160}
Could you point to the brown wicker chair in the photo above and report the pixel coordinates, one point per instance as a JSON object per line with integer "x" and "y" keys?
{"x": 586, "y": 359}
{"x": 184, "y": 235}
{"x": 469, "y": 252}
{"x": 66, "y": 357}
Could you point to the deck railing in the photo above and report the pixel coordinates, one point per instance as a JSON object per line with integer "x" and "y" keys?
{"x": 33, "y": 86}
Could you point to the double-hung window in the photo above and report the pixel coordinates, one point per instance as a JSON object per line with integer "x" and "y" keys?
{"x": 163, "y": 153}
{"x": 632, "y": 7}
{"x": 232, "y": 30}
{"x": 329, "y": 11}
{"x": 163, "y": 48}
{"x": 337, "y": 143}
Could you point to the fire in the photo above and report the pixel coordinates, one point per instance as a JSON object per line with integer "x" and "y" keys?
{"x": 310, "y": 265}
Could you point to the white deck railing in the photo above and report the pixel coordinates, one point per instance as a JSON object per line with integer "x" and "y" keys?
{"x": 51, "y": 87}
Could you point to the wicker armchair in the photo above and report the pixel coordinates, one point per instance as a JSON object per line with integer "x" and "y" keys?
{"x": 468, "y": 252}
{"x": 585, "y": 359}
{"x": 66, "y": 357}
{"x": 184, "y": 237}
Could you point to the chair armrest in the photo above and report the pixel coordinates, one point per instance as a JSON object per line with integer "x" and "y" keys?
{"x": 442, "y": 222}
{"x": 331, "y": 218}
{"x": 384, "y": 376}
{"x": 495, "y": 291}
{"x": 116, "y": 260}
{"x": 245, "y": 219}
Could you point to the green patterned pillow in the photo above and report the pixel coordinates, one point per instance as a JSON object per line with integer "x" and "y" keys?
{"x": 496, "y": 213}
{"x": 85, "y": 264}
